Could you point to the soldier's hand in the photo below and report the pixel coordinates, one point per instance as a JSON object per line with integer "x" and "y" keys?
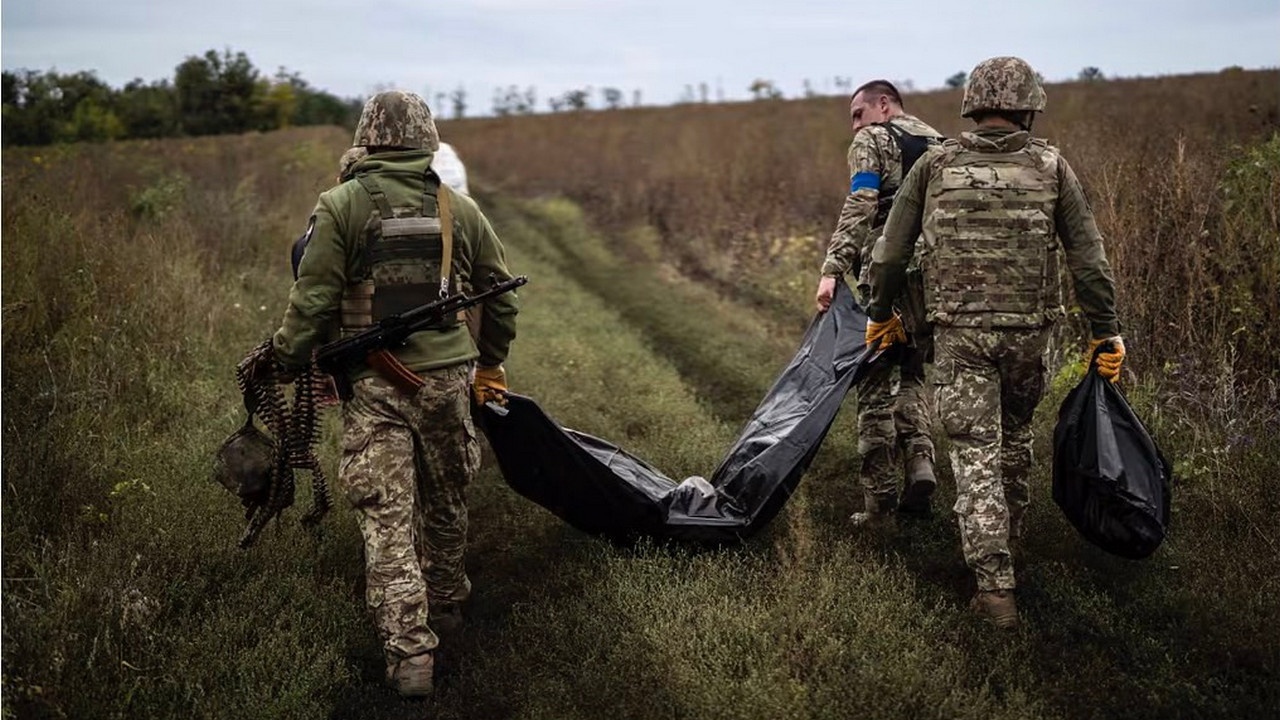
{"x": 826, "y": 290}
{"x": 1111, "y": 357}
{"x": 889, "y": 332}
{"x": 266, "y": 367}
{"x": 490, "y": 384}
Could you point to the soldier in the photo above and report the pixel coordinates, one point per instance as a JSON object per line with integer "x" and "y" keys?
{"x": 992, "y": 207}
{"x": 893, "y": 423}
{"x": 388, "y": 239}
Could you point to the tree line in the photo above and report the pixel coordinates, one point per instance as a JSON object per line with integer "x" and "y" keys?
{"x": 209, "y": 94}
{"x": 217, "y": 93}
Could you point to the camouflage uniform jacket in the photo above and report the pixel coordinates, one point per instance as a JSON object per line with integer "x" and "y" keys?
{"x": 875, "y": 171}
{"x": 1072, "y": 222}
{"x": 334, "y": 253}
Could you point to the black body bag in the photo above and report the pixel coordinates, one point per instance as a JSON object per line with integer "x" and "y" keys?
{"x": 1109, "y": 477}
{"x": 599, "y": 488}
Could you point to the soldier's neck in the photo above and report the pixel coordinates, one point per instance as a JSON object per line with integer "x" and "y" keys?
{"x": 996, "y": 123}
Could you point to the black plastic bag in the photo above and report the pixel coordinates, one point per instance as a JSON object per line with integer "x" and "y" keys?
{"x": 1109, "y": 477}
{"x": 599, "y": 488}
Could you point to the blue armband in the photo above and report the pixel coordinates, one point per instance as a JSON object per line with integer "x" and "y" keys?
{"x": 864, "y": 179}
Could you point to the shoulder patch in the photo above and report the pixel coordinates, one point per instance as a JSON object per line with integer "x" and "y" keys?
{"x": 300, "y": 246}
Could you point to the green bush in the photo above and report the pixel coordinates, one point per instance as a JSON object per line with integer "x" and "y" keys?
{"x": 159, "y": 199}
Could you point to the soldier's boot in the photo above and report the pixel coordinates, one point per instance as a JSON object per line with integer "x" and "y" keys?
{"x": 879, "y": 513}
{"x": 412, "y": 676}
{"x": 921, "y": 482}
{"x": 444, "y": 614}
{"x": 998, "y": 606}
{"x": 445, "y": 618}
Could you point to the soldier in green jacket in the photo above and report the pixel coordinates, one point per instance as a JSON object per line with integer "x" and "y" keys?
{"x": 389, "y": 238}
{"x": 893, "y": 407}
{"x": 994, "y": 210}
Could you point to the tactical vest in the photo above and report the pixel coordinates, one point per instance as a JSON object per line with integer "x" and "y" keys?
{"x": 911, "y": 148}
{"x": 406, "y": 258}
{"x": 991, "y": 251}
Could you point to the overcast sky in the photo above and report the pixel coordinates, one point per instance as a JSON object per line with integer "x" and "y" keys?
{"x": 656, "y": 46}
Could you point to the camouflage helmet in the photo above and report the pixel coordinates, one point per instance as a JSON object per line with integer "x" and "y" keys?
{"x": 395, "y": 118}
{"x": 1002, "y": 83}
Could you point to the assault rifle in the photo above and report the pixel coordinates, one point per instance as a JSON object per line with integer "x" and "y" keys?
{"x": 373, "y": 345}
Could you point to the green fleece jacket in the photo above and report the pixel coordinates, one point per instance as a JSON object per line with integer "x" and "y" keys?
{"x": 334, "y": 253}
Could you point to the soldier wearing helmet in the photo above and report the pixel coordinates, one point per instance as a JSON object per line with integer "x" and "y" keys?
{"x": 893, "y": 417}
{"x": 995, "y": 212}
{"x": 391, "y": 237}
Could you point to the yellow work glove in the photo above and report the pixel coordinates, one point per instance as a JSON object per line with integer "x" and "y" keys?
{"x": 888, "y": 332}
{"x": 1109, "y": 360}
{"x": 490, "y": 384}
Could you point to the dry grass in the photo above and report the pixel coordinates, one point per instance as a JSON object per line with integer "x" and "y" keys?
{"x": 722, "y": 183}
{"x": 137, "y": 273}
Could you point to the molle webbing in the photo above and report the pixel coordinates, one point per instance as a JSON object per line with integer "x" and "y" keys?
{"x": 406, "y": 260}
{"x": 357, "y": 306}
{"x": 993, "y": 256}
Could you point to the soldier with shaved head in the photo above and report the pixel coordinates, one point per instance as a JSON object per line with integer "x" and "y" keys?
{"x": 894, "y": 444}
{"x": 993, "y": 211}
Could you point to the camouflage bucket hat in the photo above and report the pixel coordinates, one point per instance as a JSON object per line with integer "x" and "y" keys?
{"x": 397, "y": 119}
{"x": 1002, "y": 83}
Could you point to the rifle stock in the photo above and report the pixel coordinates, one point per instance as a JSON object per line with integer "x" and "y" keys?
{"x": 373, "y": 344}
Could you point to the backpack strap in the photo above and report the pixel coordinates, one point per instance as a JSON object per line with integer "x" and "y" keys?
{"x": 372, "y": 187}
{"x": 385, "y": 212}
{"x": 910, "y": 149}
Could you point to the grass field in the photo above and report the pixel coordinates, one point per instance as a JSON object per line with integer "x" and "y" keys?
{"x": 136, "y": 274}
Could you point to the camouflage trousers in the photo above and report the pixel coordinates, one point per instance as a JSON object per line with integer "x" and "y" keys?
{"x": 406, "y": 463}
{"x": 893, "y": 422}
{"x": 988, "y": 385}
